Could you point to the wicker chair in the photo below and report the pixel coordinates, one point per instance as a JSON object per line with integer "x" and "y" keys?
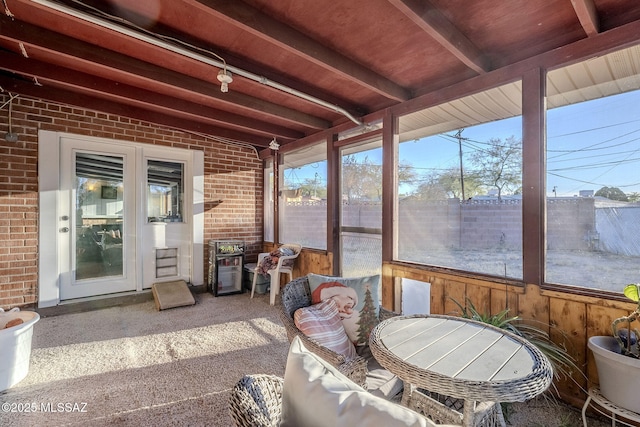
{"x": 438, "y": 408}
{"x": 256, "y": 401}
{"x": 297, "y": 295}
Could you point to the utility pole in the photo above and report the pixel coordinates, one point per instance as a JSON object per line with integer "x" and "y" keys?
{"x": 458, "y": 135}
{"x": 315, "y": 185}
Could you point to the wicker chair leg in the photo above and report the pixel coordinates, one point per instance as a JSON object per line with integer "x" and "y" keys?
{"x": 256, "y": 401}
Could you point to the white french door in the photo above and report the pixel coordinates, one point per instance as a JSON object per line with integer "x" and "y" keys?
{"x": 116, "y": 217}
{"x": 97, "y": 221}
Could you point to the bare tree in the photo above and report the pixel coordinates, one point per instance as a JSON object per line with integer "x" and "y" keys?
{"x": 362, "y": 180}
{"x": 358, "y": 178}
{"x": 450, "y": 181}
{"x": 500, "y": 165}
{"x": 314, "y": 187}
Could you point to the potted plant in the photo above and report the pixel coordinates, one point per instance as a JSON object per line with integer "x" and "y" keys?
{"x": 617, "y": 359}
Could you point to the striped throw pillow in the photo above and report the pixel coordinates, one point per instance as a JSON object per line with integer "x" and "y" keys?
{"x": 322, "y": 323}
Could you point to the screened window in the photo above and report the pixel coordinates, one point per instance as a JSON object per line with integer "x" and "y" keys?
{"x": 460, "y": 184}
{"x": 361, "y": 210}
{"x": 303, "y": 197}
{"x": 593, "y": 185}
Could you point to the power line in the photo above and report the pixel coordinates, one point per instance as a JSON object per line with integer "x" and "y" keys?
{"x": 595, "y": 156}
{"x": 591, "y": 182}
{"x": 597, "y": 165}
{"x": 590, "y": 147}
{"x": 459, "y": 138}
{"x": 592, "y": 129}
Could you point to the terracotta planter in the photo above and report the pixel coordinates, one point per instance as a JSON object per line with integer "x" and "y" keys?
{"x": 619, "y": 375}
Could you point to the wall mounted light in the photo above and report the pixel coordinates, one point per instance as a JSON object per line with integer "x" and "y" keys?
{"x": 225, "y": 78}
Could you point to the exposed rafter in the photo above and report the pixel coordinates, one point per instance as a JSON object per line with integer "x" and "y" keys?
{"x": 73, "y": 98}
{"x": 300, "y": 71}
{"x": 143, "y": 74}
{"x": 118, "y": 92}
{"x": 258, "y": 69}
{"x": 588, "y": 16}
{"x": 433, "y": 22}
{"x": 285, "y": 37}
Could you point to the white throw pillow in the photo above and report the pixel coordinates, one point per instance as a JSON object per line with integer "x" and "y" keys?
{"x": 317, "y": 395}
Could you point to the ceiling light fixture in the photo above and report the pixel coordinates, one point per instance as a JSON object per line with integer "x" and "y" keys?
{"x": 194, "y": 55}
{"x": 225, "y": 78}
{"x": 274, "y": 145}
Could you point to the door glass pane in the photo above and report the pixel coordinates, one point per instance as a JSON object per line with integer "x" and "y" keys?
{"x": 99, "y": 216}
{"x": 361, "y": 225}
{"x": 165, "y": 190}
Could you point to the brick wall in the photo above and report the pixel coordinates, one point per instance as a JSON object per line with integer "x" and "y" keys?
{"x": 233, "y": 175}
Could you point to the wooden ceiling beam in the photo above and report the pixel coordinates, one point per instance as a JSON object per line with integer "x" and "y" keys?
{"x": 434, "y": 23}
{"x": 118, "y": 66}
{"x": 123, "y": 93}
{"x": 159, "y": 56}
{"x": 604, "y": 43}
{"x": 588, "y": 16}
{"x": 269, "y": 29}
{"x": 260, "y": 70}
{"x": 62, "y": 96}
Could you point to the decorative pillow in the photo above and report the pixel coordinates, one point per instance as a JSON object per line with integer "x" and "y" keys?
{"x": 322, "y": 323}
{"x": 358, "y": 301}
{"x": 315, "y": 394}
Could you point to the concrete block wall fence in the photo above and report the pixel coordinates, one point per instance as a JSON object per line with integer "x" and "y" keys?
{"x": 482, "y": 224}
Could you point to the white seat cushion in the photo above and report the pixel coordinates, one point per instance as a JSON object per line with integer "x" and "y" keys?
{"x": 317, "y": 395}
{"x": 380, "y": 382}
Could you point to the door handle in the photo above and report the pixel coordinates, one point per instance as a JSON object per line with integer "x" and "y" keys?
{"x": 64, "y": 230}
{"x": 65, "y": 218}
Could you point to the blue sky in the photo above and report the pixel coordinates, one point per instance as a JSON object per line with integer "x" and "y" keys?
{"x": 595, "y": 144}
{"x": 589, "y": 144}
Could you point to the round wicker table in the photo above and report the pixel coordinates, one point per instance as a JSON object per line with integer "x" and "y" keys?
{"x": 461, "y": 358}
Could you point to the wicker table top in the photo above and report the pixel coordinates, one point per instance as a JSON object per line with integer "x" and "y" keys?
{"x": 461, "y": 358}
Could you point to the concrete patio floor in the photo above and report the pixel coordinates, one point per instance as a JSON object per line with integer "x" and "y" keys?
{"x": 129, "y": 364}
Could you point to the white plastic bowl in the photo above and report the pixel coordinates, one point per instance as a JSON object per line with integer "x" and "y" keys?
{"x": 15, "y": 346}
